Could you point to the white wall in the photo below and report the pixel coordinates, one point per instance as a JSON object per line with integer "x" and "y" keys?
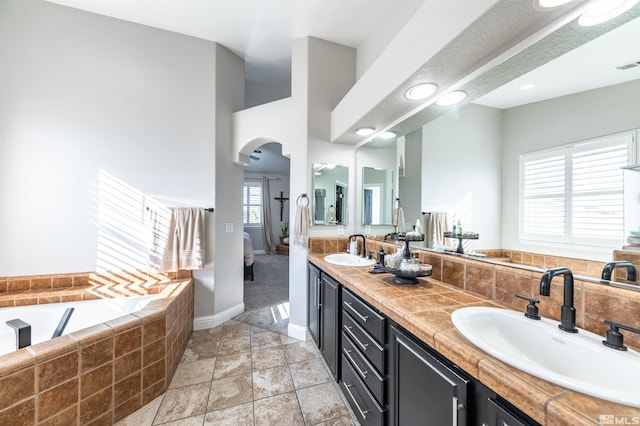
{"x": 97, "y": 114}
{"x": 461, "y": 170}
{"x": 556, "y": 122}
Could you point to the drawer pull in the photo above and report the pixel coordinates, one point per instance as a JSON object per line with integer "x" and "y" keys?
{"x": 362, "y": 413}
{"x": 362, "y": 374}
{"x": 355, "y": 311}
{"x": 362, "y": 345}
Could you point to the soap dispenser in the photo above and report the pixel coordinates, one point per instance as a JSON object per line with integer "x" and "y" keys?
{"x": 381, "y": 256}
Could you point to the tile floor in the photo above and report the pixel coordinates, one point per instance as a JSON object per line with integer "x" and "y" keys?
{"x": 238, "y": 374}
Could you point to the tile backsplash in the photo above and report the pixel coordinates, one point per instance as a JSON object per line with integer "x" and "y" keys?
{"x": 594, "y": 303}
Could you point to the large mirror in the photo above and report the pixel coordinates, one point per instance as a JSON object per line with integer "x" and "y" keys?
{"x": 586, "y": 84}
{"x": 330, "y": 191}
{"x": 377, "y": 196}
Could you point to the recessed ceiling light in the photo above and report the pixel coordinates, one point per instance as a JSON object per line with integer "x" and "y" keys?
{"x": 387, "y": 135}
{"x": 527, "y": 86}
{"x": 420, "y": 91}
{"x": 365, "y": 131}
{"x": 451, "y": 98}
{"x": 552, "y": 3}
{"x": 604, "y": 10}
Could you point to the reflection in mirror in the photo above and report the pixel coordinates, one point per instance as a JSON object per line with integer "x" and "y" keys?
{"x": 470, "y": 161}
{"x": 377, "y": 196}
{"x": 330, "y": 194}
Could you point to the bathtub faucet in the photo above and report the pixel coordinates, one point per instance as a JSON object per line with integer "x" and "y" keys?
{"x": 23, "y": 332}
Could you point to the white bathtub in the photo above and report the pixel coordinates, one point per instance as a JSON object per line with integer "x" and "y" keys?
{"x": 44, "y": 318}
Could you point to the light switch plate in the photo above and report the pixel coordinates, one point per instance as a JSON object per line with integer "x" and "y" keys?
{"x": 229, "y": 226}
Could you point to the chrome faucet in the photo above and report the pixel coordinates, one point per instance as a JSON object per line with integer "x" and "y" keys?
{"x": 568, "y": 313}
{"x": 364, "y": 243}
{"x": 607, "y": 271}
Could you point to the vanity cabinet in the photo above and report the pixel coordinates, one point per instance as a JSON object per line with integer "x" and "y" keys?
{"x": 313, "y": 303}
{"x": 424, "y": 389}
{"x": 363, "y": 359}
{"x": 324, "y": 315}
{"x": 389, "y": 376}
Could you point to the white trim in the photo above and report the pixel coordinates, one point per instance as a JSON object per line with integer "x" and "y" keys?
{"x": 212, "y": 321}
{"x": 297, "y": 332}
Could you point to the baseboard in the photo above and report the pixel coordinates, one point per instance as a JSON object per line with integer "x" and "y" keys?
{"x": 297, "y": 332}
{"x": 212, "y": 321}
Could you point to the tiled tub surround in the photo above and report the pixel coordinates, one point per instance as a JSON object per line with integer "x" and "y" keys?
{"x": 102, "y": 373}
{"x": 425, "y": 311}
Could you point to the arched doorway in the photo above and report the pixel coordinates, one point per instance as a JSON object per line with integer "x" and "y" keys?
{"x": 266, "y": 222}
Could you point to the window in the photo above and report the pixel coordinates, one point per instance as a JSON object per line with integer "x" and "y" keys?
{"x": 252, "y": 202}
{"x": 574, "y": 194}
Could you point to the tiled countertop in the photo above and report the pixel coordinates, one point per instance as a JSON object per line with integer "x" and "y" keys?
{"x": 425, "y": 310}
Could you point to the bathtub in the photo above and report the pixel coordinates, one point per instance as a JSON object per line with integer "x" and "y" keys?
{"x": 44, "y": 318}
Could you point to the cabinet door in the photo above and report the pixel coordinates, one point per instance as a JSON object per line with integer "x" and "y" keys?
{"x": 424, "y": 390}
{"x": 313, "y": 296}
{"x": 329, "y": 324}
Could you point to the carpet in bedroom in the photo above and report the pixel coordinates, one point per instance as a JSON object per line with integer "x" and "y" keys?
{"x": 266, "y": 299}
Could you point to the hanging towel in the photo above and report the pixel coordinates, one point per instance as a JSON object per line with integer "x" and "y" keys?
{"x": 398, "y": 219}
{"x": 438, "y": 225}
{"x": 301, "y": 229}
{"x": 178, "y": 243}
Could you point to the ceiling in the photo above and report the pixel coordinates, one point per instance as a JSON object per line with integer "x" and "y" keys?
{"x": 259, "y": 31}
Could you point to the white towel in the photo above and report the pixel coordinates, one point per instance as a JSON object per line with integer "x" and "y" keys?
{"x": 398, "y": 219}
{"x": 178, "y": 243}
{"x": 301, "y": 228}
{"x": 438, "y": 225}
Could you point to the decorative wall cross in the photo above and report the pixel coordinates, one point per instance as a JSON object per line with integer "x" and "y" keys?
{"x": 282, "y": 199}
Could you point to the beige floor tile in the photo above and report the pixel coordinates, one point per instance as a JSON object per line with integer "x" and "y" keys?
{"x": 201, "y": 349}
{"x": 233, "y": 345}
{"x": 232, "y": 365}
{"x": 265, "y": 340}
{"x": 300, "y": 351}
{"x": 206, "y": 335}
{"x": 271, "y": 382}
{"x": 231, "y": 329}
{"x": 239, "y": 415}
{"x": 309, "y": 373}
{"x": 278, "y": 410}
{"x": 268, "y": 358}
{"x": 189, "y": 421}
{"x": 320, "y": 403}
{"x": 144, "y": 416}
{"x": 184, "y": 402}
{"x": 191, "y": 373}
{"x": 230, "y": 391}
{"x": 340, "y": 421}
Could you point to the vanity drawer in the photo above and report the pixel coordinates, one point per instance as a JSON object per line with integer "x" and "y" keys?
{"x": 364, "y": 315}
{"x": 363, "y": 342}
{"x": 363, "y": 404}
{"x": 363, "y": 368}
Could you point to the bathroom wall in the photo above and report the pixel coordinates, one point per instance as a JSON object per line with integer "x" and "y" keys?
{"x": 555, "y": 122}
{"x": 461, "y": 170}
{"x": 98, "y": 116}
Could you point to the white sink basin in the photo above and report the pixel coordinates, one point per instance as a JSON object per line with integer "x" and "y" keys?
{"x": 346, "y": 259}
{"x": 576, "y": 361}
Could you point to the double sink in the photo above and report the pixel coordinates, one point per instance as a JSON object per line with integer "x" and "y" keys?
{"x": 576, "y": 360}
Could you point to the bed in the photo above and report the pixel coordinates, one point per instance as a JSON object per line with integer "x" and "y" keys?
{"x": 248, "y": 257}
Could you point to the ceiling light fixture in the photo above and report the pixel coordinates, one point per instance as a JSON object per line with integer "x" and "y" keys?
{"x": 388, "y": 134}
{"x": 451, "y": 98}
{"x": 365, "y": 131}
{"x": 604, "y": 10}
{"x": 527, "y": 86}
{"x": 552, "y": 3}
{"x": 420, "y": 91}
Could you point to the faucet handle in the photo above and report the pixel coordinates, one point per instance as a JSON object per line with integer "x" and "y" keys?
{"x": 532, "y": 309}
{"x": 615, "y": 339}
